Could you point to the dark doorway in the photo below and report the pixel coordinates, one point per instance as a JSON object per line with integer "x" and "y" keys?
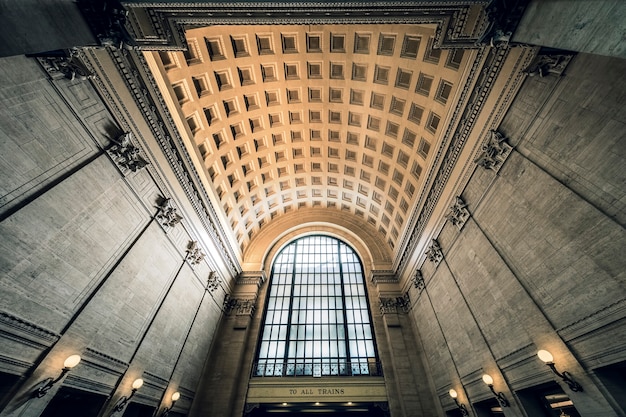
{"x": 71, "y": 402}
{"x": 344, "y": 409}
{"x": 547, "y": 400}
{"x": 139, "y": 410}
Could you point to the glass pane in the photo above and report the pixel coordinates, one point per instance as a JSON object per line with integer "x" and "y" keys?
{"x": 316, "y": 285}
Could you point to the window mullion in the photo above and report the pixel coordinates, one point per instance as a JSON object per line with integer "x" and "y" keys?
{"x": 343, "y": 301}
{"x": 290, "y": 312}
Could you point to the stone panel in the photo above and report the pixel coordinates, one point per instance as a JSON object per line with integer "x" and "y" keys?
{"x": 40, "y": 138}
{"x": 117, "y": 317}
{"x": 462, "y": 336}
{"x": 56, "y": 249}
{"x": 567, "y": 254}
{"x": 499, "y": 304}
{"x": 198, "y": 346}
{"x": 160, "y": 348}
{"x": 574, "y": 128}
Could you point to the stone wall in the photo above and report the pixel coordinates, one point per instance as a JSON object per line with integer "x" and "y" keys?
{"x": 539, "y": 262}
{"x": 86, "y": 264}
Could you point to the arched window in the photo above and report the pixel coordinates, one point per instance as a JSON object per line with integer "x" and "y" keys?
{"x": 317, "y": 320}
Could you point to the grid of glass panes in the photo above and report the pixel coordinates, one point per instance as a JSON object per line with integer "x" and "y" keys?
{"x": 317, "y": 320}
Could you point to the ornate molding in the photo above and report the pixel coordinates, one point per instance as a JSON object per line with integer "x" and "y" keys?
{"x": 168, "y": 215}
{"x": 493, "y": 152}
{"x": 396, "y": 305}
{"x": 503, "y": 17}
{"x": 251, "y": 278}
{"x": 161, "y": 25}
{"x": 104, "y": 362}
{"x": 158, "y": 117}
{"x": 383, "y": 277}
{"x": 239, "y": 306}
{"x": 13, "y": 365}
{"x": 546, "y": 63}
{"x": 194, "y": 253}
{"x": 213, "y": 282}
{"x": 418, "y": 281}
{"x": 125, "y": 154}
{"x": 462, "y": 122}
{"x": 458, "y": 213}
{"x": 65, "y": 63}
{"x": 25, "y": 332}
{"x": 434, "y": 253}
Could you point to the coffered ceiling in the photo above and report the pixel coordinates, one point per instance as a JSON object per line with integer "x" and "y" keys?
{"x": 344, "y": 117}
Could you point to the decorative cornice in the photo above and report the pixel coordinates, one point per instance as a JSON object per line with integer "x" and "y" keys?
{"x": 25, "y": 332}
{"x": 172, "y": 147}
{"x": 485, "y": 68}
{"x": 383, "y": 277}
{"x": 87, "y": 384}
{"x": 395, "y": 305}
{"x": 155, "y": 380}
{"x": 460, "y": 24}
{"x": 239, "y": 306}
{"x": 592, "y": 322}
{"x": 13, "y": 366}
{"x": 251, "y": 278}
{"x": 104, "y": 362}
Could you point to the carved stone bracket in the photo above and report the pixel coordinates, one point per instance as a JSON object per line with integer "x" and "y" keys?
{"x": 65, "y": 63}
{"x": 194, "y": 253}
{"x": 213, "y": 282}
{"x": 239, "y": 306}
{"x": 107, "y": 20}
{"x": 395, "y": 305}
{"x": 503, "y": 15}
{"x": 434, "y": 253}
{"x": 167, "y": 216}
{"x": 494, "y": 151}
{"x": 546, "y": 63}
{"x": 125, "y": 154}
{"x": 458, "y": 213}
{"x": 418, "y": 281}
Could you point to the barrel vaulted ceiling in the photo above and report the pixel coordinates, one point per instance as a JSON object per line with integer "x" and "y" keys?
{"x": 344, "y": 117}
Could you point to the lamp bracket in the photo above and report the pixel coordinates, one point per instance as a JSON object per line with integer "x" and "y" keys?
{"x": 566, "y": 377}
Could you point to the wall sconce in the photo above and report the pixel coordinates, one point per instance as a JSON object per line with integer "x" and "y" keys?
{"x": 487, "y": 379}
{"x": 547, "y": 357}
{"x": 175, "y": 397}
{"x": 69, "y": 363}
{"x": 137, "y": 383}
{"x": 461, "y": 407}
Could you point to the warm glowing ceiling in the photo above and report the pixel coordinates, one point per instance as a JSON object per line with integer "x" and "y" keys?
{"x": 345, "y": 117}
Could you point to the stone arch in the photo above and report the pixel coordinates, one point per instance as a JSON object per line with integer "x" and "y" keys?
{"x": 365, "y": 240}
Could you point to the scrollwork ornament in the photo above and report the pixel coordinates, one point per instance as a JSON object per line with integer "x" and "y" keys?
{"x": 418, "y": 281}
{"x": 125, "y": 154}
{"x": 168, "y": 215}
{"x": 458, "y": 213}
{"x": 434, "y": 253}
{"x": 194, "y": 253}
{"x": 494, "y": 151}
